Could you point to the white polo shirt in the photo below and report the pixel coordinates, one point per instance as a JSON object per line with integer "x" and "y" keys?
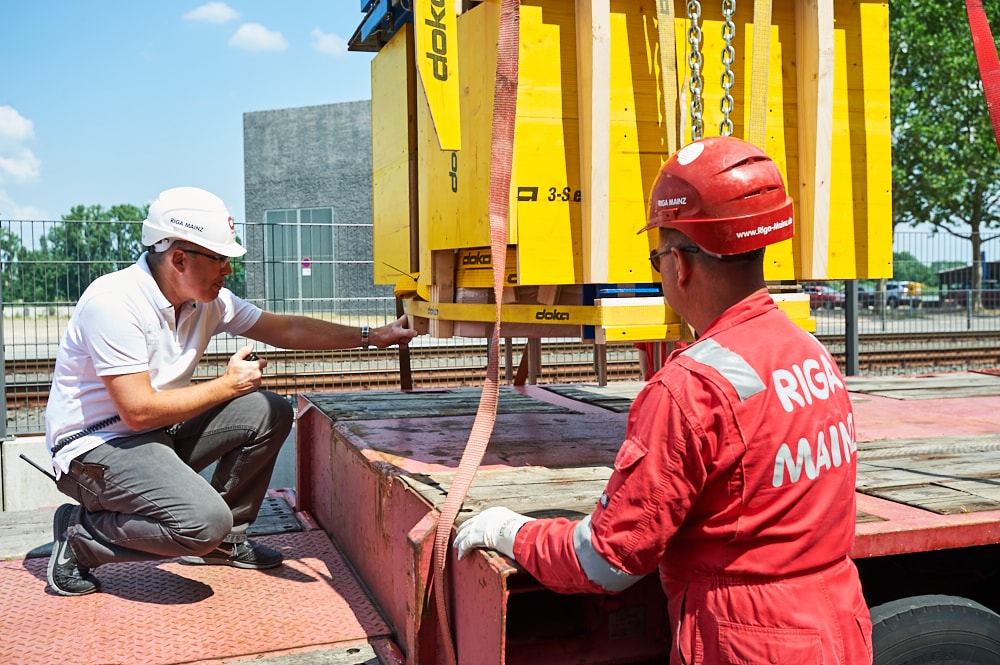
{"x": 123, "y": 324}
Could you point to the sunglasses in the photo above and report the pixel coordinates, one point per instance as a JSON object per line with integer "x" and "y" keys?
{"x": 654, "y": 256}
{"x": 217, "y": 258}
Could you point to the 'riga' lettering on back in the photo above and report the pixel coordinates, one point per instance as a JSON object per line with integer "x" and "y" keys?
{"x": 801, "y": 385}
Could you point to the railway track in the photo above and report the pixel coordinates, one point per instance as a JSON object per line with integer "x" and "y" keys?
{"x": 27, "y": 381}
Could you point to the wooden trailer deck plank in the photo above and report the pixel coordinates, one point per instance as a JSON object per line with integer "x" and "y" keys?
{"x": 932, "y": 386}
{"x": 427, "y": 445}
{"x": 946, "y": 475}
{"x": 378, "y": 405}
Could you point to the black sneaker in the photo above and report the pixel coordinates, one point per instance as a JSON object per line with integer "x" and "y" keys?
{"x": 66, "y": 576}
{"x": 247, "y": 554}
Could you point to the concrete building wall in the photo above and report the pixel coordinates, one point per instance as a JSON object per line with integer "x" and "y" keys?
{"x": 314, "y": 156}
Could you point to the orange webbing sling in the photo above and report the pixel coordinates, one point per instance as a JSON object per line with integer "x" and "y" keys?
{"x": 504, "y": 111}
{"x": 989, "y": 65}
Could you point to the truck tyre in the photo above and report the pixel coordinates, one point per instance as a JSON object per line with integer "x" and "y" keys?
{"x": 945, "y": 630}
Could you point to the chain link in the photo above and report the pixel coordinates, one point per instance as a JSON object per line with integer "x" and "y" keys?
{"x": 728, "y": 56}
{"x": 694, "y": 64}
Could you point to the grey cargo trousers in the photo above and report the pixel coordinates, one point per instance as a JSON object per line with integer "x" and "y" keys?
{"x": 142, "y": 495}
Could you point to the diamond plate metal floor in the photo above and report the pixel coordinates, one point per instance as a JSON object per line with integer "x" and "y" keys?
{"x": 165, "y": 612}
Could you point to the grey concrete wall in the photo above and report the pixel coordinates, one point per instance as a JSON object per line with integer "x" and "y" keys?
{"x": 314, "y": 156}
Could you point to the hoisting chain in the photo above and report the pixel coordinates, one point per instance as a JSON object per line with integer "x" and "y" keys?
{"x": 694, "y": 64}
{"x": 728, "y": 56}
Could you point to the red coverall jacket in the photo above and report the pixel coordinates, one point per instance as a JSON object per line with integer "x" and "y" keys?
{"x": 736, "y": 479}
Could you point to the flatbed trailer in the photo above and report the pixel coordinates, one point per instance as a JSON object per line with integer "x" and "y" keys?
{"x": 375, "y": 467}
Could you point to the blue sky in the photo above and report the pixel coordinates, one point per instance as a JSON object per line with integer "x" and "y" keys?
{"x": 113, "y": 101}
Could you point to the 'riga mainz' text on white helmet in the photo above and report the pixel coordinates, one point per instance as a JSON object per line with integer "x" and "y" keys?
{"x": 723, "y": 193}
{"x": 192, "y": 214}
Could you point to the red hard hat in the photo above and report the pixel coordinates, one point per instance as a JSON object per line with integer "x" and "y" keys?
{"x": 725, "y": 194}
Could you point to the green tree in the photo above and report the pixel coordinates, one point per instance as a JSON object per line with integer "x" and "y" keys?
{"x": 11, "y": 251}
{"x": 907, "y": 268}
{"x": 91, "y": 242}
{"x": 946, "y": 164}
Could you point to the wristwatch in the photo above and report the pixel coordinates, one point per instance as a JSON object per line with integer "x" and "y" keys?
{"x": 364, "y": 336}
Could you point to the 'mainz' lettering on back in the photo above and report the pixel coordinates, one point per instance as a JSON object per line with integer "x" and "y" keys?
{"x": 798, "y": 387}
{"x": 830, "y": 449}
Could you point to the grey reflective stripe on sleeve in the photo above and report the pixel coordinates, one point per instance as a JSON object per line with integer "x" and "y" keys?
{"x": 730, "y": 365}
{"x": 598, "y": 570}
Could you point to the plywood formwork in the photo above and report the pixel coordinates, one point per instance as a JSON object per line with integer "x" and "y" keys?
{"x": 592, "y": 131}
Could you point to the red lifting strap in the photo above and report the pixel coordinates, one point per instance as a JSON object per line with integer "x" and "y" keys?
{"x": 501, "y": 165}
{"x": 989, "y": 65}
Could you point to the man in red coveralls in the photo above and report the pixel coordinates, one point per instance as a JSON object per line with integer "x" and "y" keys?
{"x": 736, "y": 477}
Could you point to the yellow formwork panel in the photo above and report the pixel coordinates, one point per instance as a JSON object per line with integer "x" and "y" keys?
{"x": 546, "y": 182}
{"x": 391, "y": 149}
{"x": 779, "y": 261}
{"x": 871, "y": 127}
{"x": 850, "y": 240}
{"x": 453, "y": 186}
{"x": 637, "y": 142}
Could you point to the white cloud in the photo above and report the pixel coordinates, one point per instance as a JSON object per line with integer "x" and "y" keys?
{"x": 17, "y": 162}
{"x": 328, "y": 44}
{"x": 255, "y": 37}
{"x": 11, "y": 210}
{"x": 21, "y": 166}
{"x": 213, "y": 12}
{"x": 14, "y": 127}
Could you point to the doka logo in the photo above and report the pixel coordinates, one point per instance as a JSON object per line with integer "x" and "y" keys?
{"x": 554, "y": 315}
{"x": 477, "y": 259}
{"x": 454, "y": 172}
{"x": 439, "y": 40}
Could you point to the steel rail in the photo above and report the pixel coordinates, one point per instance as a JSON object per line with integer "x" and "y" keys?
{"x": 291, "y": 372}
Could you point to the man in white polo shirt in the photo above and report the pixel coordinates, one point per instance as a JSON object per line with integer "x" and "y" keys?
{"x": 129, "y": 432}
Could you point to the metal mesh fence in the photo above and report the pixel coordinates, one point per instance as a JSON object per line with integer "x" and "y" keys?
{"x": 48, "y": 264}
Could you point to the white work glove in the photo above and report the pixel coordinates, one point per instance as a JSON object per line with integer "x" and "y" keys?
{"x": 494, "y": 528}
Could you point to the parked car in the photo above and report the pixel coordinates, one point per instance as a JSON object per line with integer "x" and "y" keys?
{"x": 822, "y": 296}
{"x": 903, "y": 293}
{"x": 896, "y": 294}
{"x": 960, "y": 294}
{"x": 867, "y": 296}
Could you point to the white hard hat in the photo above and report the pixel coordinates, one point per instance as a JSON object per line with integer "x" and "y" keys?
{"x": 192, "y": 214}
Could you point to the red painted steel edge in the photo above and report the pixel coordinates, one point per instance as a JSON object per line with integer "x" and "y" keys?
{"x": 421, "y": 620}
{"x": 388, "y": 653}
{"x": 478, "y": 597}
{"x": 905, "y": 529}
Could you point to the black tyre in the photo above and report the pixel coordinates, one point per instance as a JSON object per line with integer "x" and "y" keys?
{"x": 893, "y": 302}
{"x": 943, "y": 630}
{"x": 828, "y": 304}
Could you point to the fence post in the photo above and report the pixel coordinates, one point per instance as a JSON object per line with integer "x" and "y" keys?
{"x": 3, "y": 377}
{"x": 851, "y": 344}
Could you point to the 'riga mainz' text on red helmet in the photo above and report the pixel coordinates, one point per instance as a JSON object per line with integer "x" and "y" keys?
{"x": 723, "y": 193}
